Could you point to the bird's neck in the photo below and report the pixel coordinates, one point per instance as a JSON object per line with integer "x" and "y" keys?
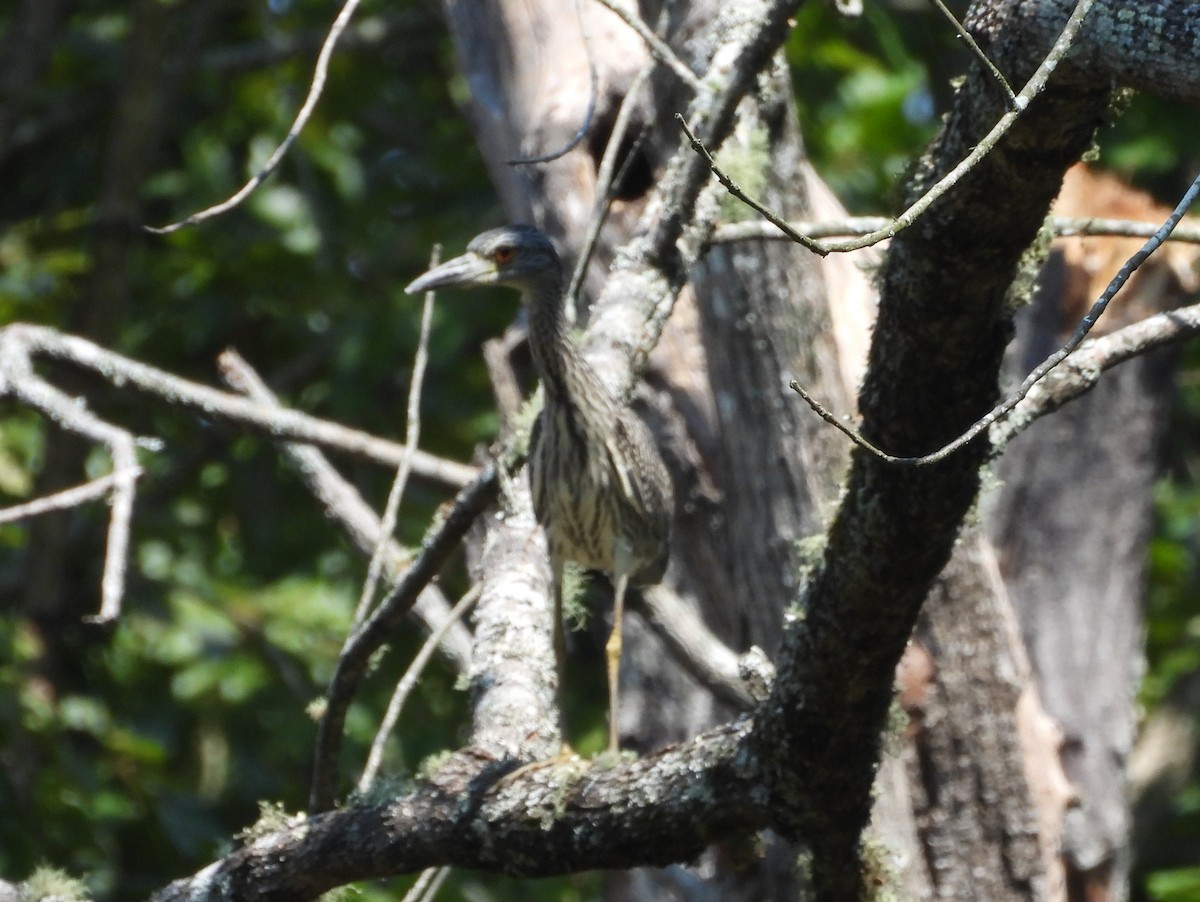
{"x": 555, "y": 354}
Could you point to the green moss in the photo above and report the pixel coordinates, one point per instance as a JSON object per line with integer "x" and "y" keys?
{"x": 51, "y": 883}
{"x": 272, "y": 817}
{"x": 746, "y": 159}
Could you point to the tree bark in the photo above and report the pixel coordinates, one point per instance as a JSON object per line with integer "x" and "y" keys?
{"x": 1072, "y": 522}
{"x": 933, "y": 369}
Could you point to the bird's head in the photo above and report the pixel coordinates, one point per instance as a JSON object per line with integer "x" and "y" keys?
{"x": 515, "y": 255}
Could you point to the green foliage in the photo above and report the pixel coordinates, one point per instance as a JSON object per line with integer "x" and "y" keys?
{"x": 1173, "y": 624}
{"x": 1182, "y": 885}
{"x": 131, "y": 755}
{"x": 863, "y": 89}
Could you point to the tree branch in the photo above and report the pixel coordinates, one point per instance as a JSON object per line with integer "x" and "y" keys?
{"x": 365, "y": 641}
{"x": 412, "y": 437}
{"x": 1001, "y": 410}
{"x": 1083, "y": 369}
{"x": 345, "y": 505}
{"x": 270, "y": 419}
{"x": 18, "y": 379}
{"x": 315, "y": 88}
{"x": 979, "y": 151}
{"x": 937, "y": 346}
{"x": 657, "y": 46}
{"x": 663, "y": 808}
{"x": 75, "y": 496}
{"x": 1058, "y": 226}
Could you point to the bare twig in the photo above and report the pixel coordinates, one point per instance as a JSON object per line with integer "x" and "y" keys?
{"x": 735, "y": 189}
{"x": 405, "y": 687}
{"x": 412, "y": 435}
{"x": 1033, "y": 87}
{"x": 1073, "y": 226}
{"x": 606, "y": 182}
{"x": 67, "y": 498}
{"x": 345, "y": 505}
{"x": 657, "y": 46}
{"x": 1041, "y": 370}
{"x": 435, "y": 884}
{"x": 759, "y": 230}
{"x": 18, "y": 379}
{"x": 1058, "y": 226}
{"x": 588, "y": 114}
{"x": 427, "y": 885}
{"x": 1083, "y": 369}
{"x": 966, "y": 38}
{"x": 442, "y": 539}
{"x": 306, "y": 110}
{"x": 271, "y": 419}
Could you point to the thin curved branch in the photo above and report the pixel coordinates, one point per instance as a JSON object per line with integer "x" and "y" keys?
{"x": 606, "y": 182}
{"x": 412, "y": 437}
{"x": 1033, "y": 87}
{"x": 443, "y": 539}
{"x": 343, "y": 504}
{"x": 1006, "y": 406}
{"x": 657, "y": 46}
{"x": 965, "y": 37}
{"x": 405, "y": 687}
{"x": 1080, "y": 372}
{"x": 315, "y": 88}
{"x": 1058, "y": 226}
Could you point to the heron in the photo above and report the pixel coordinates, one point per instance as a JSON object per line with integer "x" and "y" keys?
{"x": 600, "y": 488}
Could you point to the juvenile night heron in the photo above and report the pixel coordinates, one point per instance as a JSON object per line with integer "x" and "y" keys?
{"x": 600, "y": 489}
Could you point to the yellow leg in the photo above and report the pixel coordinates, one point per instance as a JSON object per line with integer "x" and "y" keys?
{"x": 612, "y": 653}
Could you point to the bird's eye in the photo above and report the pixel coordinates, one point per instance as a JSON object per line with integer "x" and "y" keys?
{"x": 503, "y": 254}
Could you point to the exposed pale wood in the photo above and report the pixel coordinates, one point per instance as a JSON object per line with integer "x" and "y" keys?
{"x": 1072, "y": 520}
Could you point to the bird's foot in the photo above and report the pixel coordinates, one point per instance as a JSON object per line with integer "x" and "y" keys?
{"x": 566, "y": 755}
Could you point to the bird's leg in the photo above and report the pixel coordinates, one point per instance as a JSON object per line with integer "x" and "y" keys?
{"x": 622, "y": 563}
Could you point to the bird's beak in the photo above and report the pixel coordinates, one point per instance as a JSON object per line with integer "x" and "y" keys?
{"x": 469, "y": 269}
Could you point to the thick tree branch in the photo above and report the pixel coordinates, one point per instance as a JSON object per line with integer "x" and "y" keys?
{"x": 662, "y": 808}
{"x": 933, "y": 369}
{"x": 649, "y": 271}
{"x": 693, "y": 644}
{"x": 1151, "y": 46}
